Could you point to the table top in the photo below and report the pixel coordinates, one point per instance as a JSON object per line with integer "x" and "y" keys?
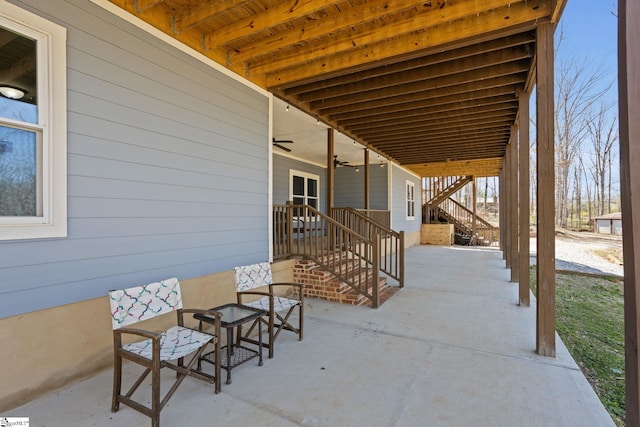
{"x": 232, "y": 314}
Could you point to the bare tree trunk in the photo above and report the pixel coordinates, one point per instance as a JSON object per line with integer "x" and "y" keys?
{"x": 589, "y": 200}
{"x": 602, "y": 129}
{"x": 577, "y": 90}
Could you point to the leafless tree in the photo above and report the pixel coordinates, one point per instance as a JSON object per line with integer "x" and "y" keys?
{"x": 602, "y": 128}
{"x": 578, "y": 87}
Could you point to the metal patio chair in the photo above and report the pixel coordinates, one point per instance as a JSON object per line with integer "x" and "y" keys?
{"x": 157, "y": 350}
{"x": 249, "y": 280}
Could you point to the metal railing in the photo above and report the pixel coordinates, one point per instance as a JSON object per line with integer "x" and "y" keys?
{"x": 391, "y": 242}
{"x": 301, "y": 230}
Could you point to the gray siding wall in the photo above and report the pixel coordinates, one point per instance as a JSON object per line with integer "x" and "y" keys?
{"x": 167, "y": 168}
{"x": 282, "y": 165}
{"x": 399, "y": 220}
{"x": 349, "y": 188}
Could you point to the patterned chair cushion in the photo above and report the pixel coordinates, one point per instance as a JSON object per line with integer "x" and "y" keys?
{"x": 279, "y": 303}
{"x": 253, "y": 276}
{"x": 176, "y": 342}
{"x": 139, "y": 303}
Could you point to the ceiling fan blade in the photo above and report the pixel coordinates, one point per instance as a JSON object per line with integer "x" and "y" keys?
{"x": 281, "y": 147}
{"x": 282, "y": 141}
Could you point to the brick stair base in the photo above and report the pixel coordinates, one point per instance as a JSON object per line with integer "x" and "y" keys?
{"x": 322, "y": 284}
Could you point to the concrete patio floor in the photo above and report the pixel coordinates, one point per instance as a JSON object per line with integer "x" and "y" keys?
{"x": 450, "y": 349}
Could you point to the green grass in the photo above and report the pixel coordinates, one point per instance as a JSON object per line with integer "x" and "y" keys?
{"x": 590, "y": 321}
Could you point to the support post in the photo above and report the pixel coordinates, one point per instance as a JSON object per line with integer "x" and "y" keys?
{"x": 545, "y": 266}
{"x": 629, "y": 113}
{"x": 507, "y": 203}
{"x": 330, "y": 172}
{"x": 513, "y": 206}
{"x": 524, "y": 298}
{"x": 366, "y": 179}
{"x": 501, "y": 209}
{"x": 474, "y": 230}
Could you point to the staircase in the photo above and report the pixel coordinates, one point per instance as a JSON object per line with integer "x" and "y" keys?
{"x": 349, "y": 258}
{"x": 323, "y": 284}
{"x": 440, "y": 207}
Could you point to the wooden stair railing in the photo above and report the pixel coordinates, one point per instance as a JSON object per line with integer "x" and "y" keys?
{"x": 462, "y": 218}
{"x": 301, "y": 230}
{"x": 442, "y": 188}
{"x": 391, "y": 253}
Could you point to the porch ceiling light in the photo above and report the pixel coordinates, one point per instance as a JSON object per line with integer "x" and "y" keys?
{"x": 11, "y": 92}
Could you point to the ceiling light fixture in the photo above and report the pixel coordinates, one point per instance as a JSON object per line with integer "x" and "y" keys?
{"x": 287, "y": 107}
{"x": 11, "y": 92}
{"x": 357, "y": 169}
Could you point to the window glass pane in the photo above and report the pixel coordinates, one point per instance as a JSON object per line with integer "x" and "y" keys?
{"x": 312, "y": 188}
{"x": 313, "y": 203}
{"x": 298, "y": 186}
{"x": 18, "y": 85}
{"x": 18, "y": 172}
{"x": 298, "y": 200}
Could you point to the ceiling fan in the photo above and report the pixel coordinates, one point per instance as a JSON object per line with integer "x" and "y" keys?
{"x": 337, "y": 163}
{"x": 278, "y": 143}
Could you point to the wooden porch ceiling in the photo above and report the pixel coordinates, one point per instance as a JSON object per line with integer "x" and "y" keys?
{"x": 432, "y": 85}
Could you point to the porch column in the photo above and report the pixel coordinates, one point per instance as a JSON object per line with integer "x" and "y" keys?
{"x": 545, "y": 266}
{"x": 513, "y": 205}
{"x": 629, "y": 109}
{"x": 501, "y": 208}
{"x": 367, "y": 187}
{"x": 523, "y": 180}
{"x": 507, "y": 203}
{"x": 474, "y": 205}
{"x": 330, "y": 172}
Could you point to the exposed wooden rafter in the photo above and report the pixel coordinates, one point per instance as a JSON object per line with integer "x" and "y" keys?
{"x": 419, "y": 82}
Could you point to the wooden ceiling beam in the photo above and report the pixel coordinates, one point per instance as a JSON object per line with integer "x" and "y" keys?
{"x": 440, "y": 116}
{"x": 397, "y": 26}
{"x": 420, "y": 107}
{"x": 144, "y": 5}
{"x": 450, "y": 80}
{"x": 278, "y": 15}
{"x": 443, "y": 145}
{"x": 420, "y": 126}
{"x": 321, "y": 28}
{"x": 463, "y": 135}
{"x": 441, "y": 158}
{"x": 389, "y": 45}
{"x": 464, "y": 69}
{"x": 484, "y": 167}
{"x": 507, "y": 42}
{"x": 497, "y": 86}
{"x": 188, "y": 19}
{"x": 429, "y": 110}
{"x": 454, "y": 116}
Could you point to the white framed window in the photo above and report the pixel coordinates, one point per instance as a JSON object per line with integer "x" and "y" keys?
{"x": 304, "y": 188}
{"x": 33, "y": 126}
{"x": 411, "y": 200}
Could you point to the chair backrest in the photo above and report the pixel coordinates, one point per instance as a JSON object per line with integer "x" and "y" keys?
{"x": 139, "y": 303}
{"x": 252, "y": 276}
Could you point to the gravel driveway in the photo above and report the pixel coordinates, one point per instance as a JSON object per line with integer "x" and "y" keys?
{"x": 575, "y": 251}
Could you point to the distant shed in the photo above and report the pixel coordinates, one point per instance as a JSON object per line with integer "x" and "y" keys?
{"x": 609, "y": 224}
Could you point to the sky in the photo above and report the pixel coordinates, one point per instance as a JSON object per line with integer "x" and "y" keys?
{"x": 590, "y": 31}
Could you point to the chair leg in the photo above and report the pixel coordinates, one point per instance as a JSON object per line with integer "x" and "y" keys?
{"x": 117, "y": 382}
{"x": 300, "y": 321}
{"x": 155, "y": 394}
{"x": 271, "y": 335}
